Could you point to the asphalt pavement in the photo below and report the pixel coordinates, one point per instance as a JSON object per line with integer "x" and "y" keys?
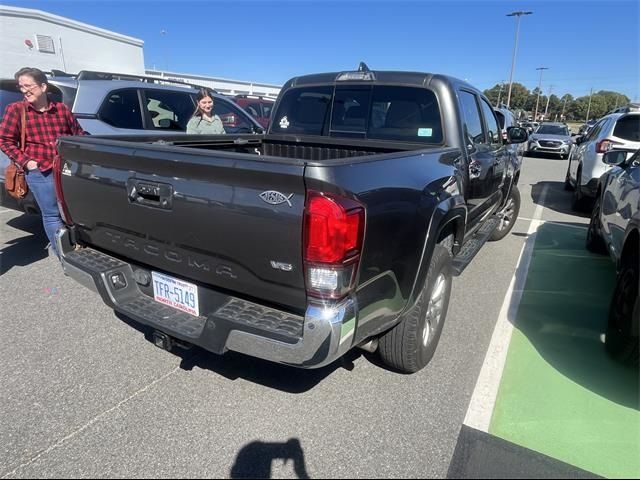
{"x": 86, "y": 394}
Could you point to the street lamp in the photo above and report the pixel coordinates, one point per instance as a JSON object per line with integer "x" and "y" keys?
{"x": 515, "y": 50}
{"x": 535, "y": 115}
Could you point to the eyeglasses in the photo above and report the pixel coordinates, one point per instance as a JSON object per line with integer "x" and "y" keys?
{"x": 27, "y": 88}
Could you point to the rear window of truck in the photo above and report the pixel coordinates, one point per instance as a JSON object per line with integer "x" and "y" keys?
{"x": 377, "y": 112}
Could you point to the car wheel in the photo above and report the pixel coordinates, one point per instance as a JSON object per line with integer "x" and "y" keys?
{"x": 410, "y": 345}
{"x": 595, "y": 242}
{"x": 578, "y": 202}
{"x": 508, "y": 215}
{"x": 620, "y": 341}
{"x": 567, "y": 179}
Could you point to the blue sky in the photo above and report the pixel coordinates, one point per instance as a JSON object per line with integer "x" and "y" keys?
{"x": 584, "y": 43}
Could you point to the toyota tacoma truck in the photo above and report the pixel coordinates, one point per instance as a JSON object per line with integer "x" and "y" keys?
{"x": 341, "y": 227}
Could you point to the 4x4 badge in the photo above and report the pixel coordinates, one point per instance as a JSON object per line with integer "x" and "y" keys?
{"x": 275, "y": 198}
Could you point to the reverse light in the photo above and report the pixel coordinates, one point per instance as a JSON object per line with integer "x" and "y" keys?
{"x": 333, "y": 235}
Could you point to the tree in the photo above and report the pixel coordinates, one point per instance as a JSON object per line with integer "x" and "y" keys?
{"x": 519, "y": 93}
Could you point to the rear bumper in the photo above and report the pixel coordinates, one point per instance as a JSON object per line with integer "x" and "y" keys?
{"x": 316, "y": 339}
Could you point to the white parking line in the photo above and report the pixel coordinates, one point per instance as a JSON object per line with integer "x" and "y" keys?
{"x": 486, "y": 391}
{"x": 5, "y": 210}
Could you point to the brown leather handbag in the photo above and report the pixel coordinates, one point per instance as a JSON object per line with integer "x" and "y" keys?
{"x": 15, "y": 182}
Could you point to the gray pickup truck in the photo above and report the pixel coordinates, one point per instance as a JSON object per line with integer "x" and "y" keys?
{"x": 341, "y": 227}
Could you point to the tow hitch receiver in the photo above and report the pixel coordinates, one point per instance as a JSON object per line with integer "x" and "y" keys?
{"x": 162, "y": 340}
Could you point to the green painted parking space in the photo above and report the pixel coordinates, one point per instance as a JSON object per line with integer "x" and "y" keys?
{"x": 560, "y": 393}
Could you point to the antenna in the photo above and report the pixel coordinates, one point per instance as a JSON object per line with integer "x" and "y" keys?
{"x": 363, "y": 67}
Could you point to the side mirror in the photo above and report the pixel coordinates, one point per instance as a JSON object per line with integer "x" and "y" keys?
{"x": 516, "y": 135}
{"x": 164, "y": 123}
{"x": 579, "y": 139}
{"x": 614, "y": 157}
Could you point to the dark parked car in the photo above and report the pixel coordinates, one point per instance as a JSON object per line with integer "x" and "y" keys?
{"x": 615, "y": 228}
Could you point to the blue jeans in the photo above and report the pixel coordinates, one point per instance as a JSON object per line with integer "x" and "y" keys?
{"x": 43, "y": 189}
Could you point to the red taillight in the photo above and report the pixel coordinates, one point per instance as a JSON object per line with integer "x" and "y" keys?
{"x": 333, "y": 235}
{"x": 57, "y": 177}
{"x": 603, "y": 146}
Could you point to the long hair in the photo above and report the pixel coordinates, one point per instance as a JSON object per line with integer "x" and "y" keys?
{"x": 201, "y": 94}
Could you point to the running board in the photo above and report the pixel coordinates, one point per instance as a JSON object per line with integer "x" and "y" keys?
{"x": 472, "y": 246}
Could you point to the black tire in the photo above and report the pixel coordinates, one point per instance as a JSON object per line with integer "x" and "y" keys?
{"x": 567, "y": 180}
{"x": 595, "y": 242}
{"x": 509, "y": 215}
{"x": 578, "y": 201}
{"x": 409, "y": 346}
{"x": 620, "y": 341}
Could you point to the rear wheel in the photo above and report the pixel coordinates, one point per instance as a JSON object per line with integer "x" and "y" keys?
{"x": 578, "y": 201}
{"x": 595, "y": 242}
{"x": 567, "y": 179}
{"x": 508, "y": 215}
{"x": 410, "y": 345}
{"x": 620, "y": 341}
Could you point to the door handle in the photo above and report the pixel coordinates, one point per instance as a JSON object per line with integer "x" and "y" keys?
{"x": 150, "y": 194}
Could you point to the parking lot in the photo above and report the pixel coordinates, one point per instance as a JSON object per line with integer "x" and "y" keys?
{"x": 85, "y": 393}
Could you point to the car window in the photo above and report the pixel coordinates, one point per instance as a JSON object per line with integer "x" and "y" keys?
{"x": 501, "y": 119}
{"x": 253, "y": 109}
{"x": 121, "y": 109}
{"x": 628, "y": 128}
{"x": 472, "y": 120}
{"x": 266, "y": 109}
{"x": 303, "y": 110}
{"x": 553, "y": 130}
{"x": 493, "y": 129}
{"x": 169, "y": 110}
{"x": 233, "y": 120}
{"x": 8, "y": 96}
{"x": 408, "y": 114}
{"x": 350, "y": 110}
{"x": 595, "y": 130}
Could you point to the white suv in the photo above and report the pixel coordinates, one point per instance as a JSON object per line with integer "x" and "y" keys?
{"x": 617, "y": 131}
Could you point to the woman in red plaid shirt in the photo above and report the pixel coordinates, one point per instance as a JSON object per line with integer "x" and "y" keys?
{"x": 46, "y": 120}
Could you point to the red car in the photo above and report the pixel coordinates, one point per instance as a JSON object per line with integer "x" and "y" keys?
{"x": 258, "y": 107}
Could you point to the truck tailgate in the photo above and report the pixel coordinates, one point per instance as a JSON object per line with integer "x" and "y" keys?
{"x": 229, "y": 220}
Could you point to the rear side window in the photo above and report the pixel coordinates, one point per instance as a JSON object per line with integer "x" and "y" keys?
{"x": 169, "y": 110}
{"x": 121, "y": 109}
{"x": 628, "y": 128}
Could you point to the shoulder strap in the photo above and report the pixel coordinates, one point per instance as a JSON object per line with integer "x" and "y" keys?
{"x": 23, "y": 129}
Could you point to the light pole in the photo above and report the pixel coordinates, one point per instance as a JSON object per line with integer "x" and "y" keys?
{"x": 535, "y": 115}
{"x": 515, "y": 50}
{"x": 589, "y": 107}
{"x": 546, "y": 109}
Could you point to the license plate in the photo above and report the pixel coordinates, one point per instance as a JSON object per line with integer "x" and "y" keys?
{"x": 175, "y": 293}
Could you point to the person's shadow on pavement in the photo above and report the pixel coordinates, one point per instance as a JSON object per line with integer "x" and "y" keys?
{"x": 25, "y": 250}
{"x": 255, "y": 459}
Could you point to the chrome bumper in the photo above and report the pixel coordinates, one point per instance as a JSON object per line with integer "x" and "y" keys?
{"x": 327, "y": 329}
